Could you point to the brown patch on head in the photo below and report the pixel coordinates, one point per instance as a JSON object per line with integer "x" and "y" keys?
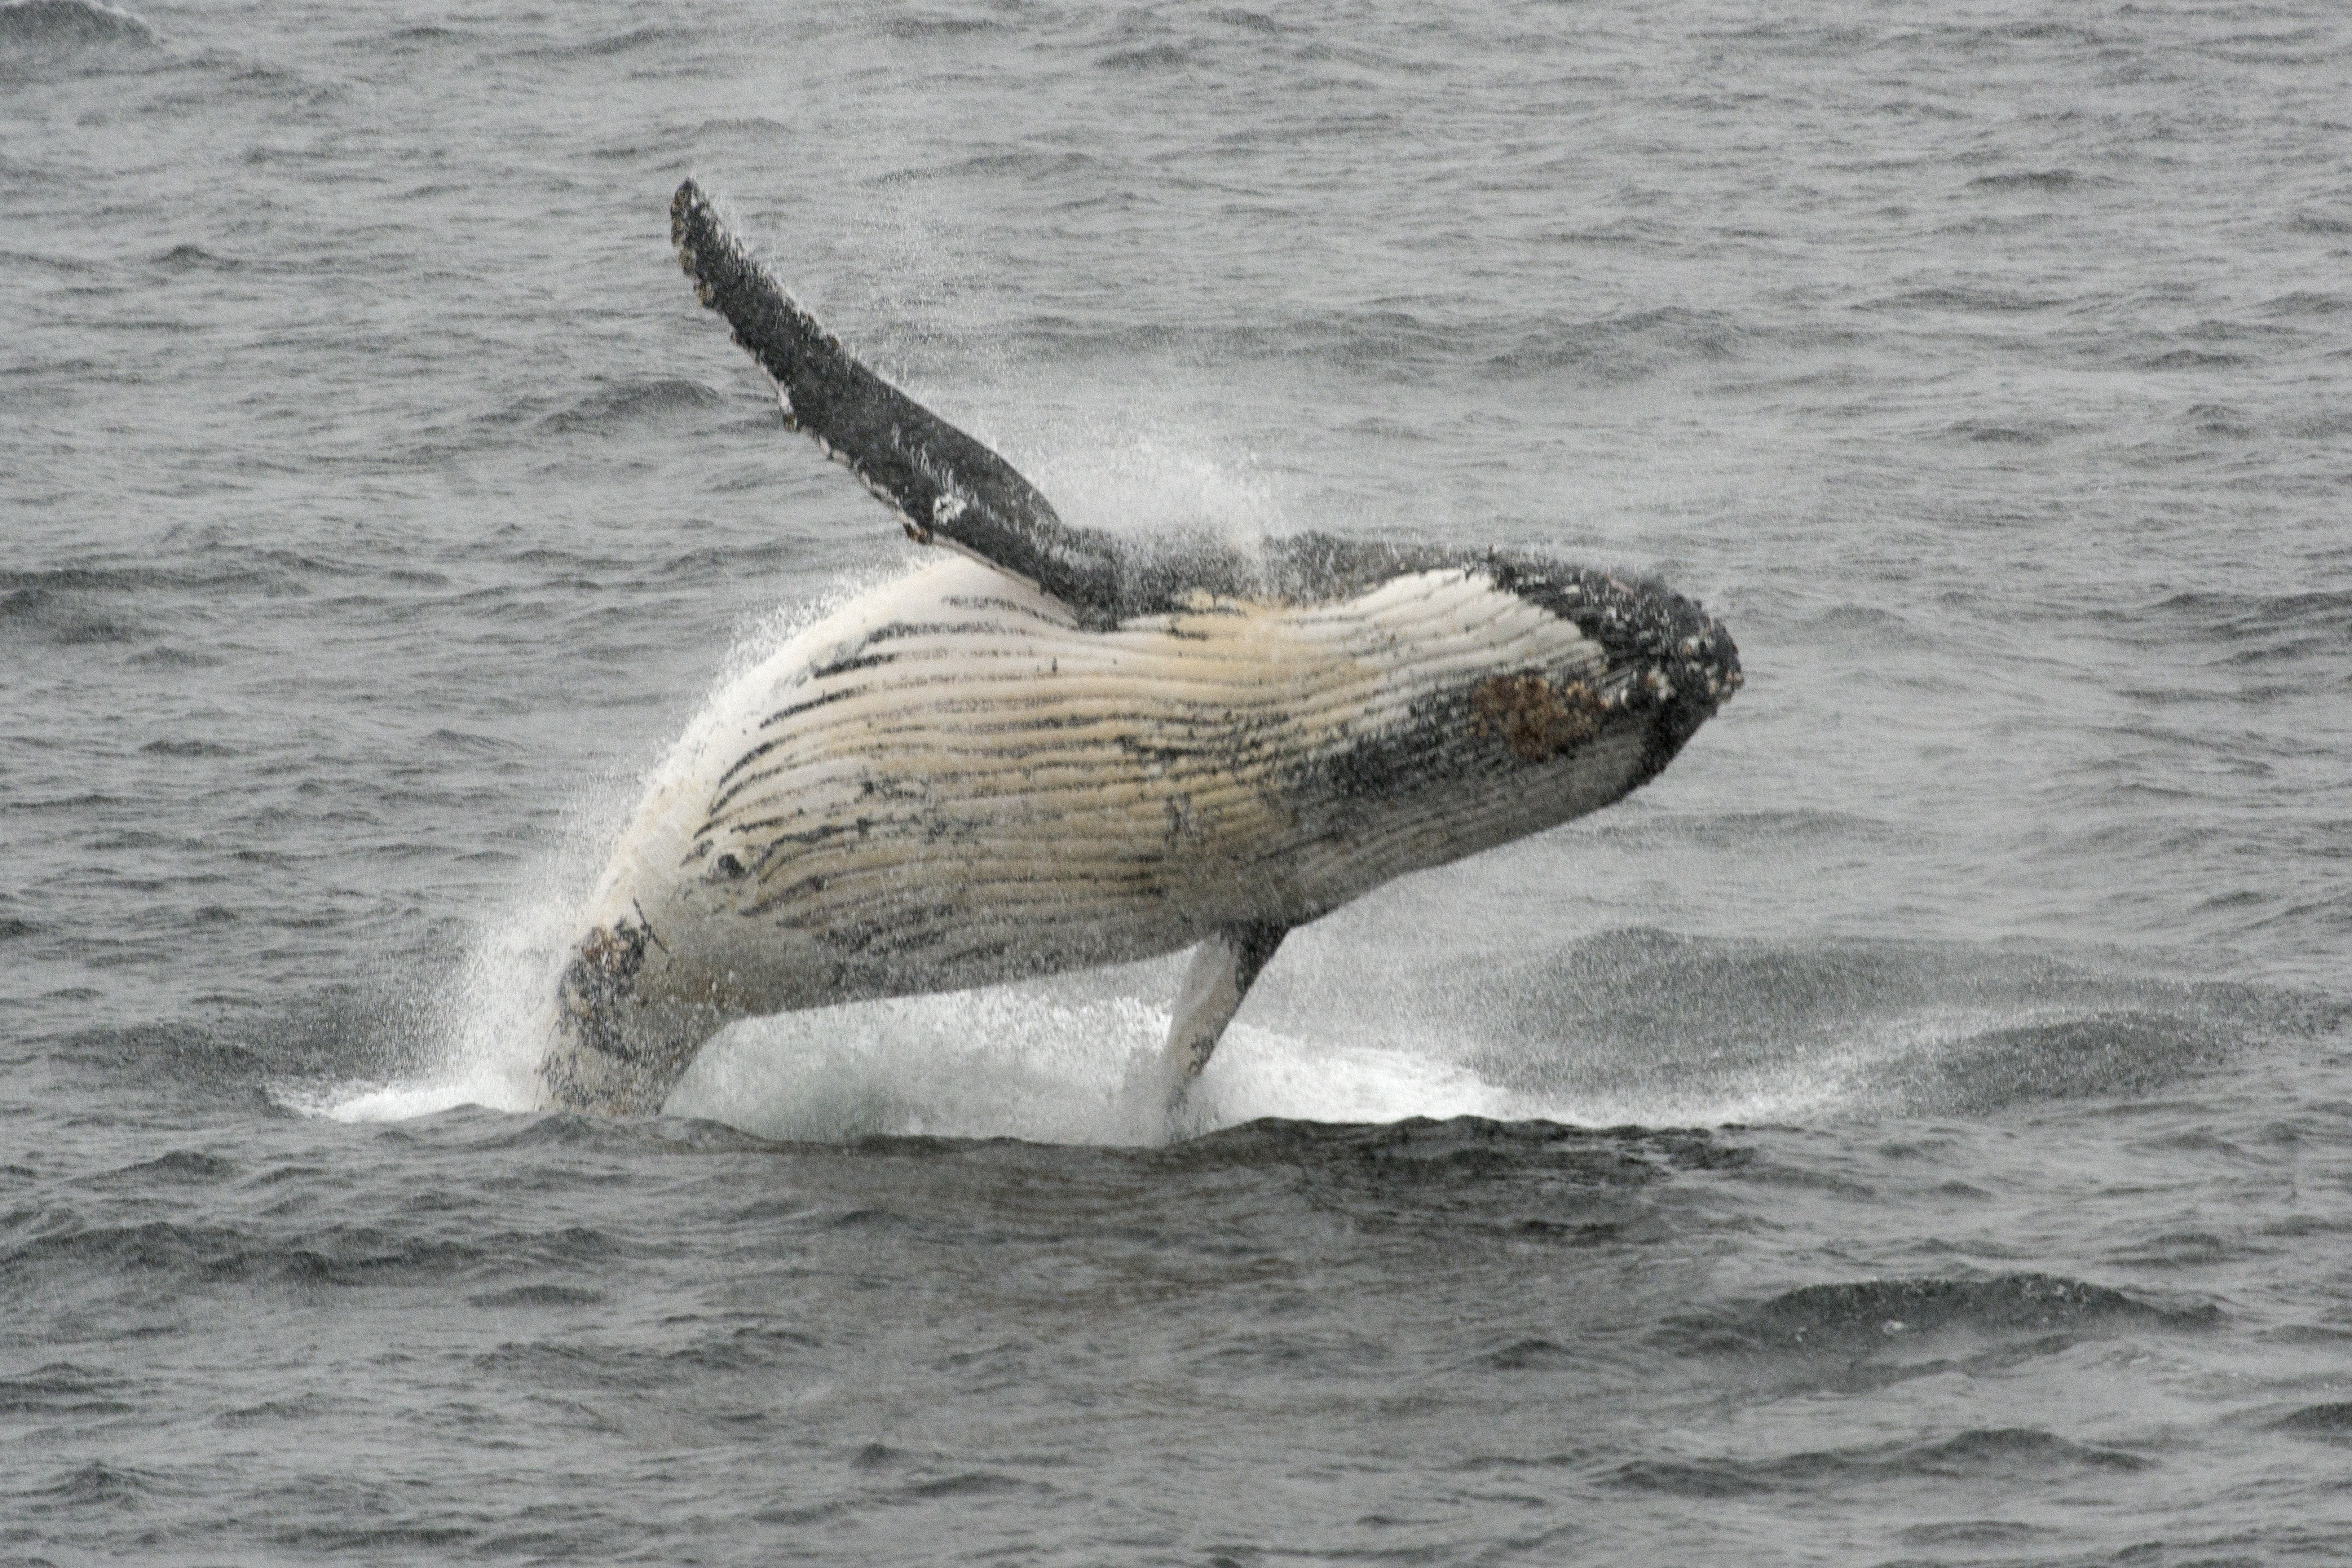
{"x": 1535, "y": 719}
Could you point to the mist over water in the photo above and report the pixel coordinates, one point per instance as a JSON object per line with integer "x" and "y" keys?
{"x": 1918, "y": 1127}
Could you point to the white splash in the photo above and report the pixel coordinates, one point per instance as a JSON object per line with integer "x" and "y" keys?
{"x": 1058, "y": 1062}
{"x": 1013, "y": 1062}
{"x": 1137, "y": 475}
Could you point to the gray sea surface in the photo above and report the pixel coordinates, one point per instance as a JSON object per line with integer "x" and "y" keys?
{"x": 1916, "y": 1128}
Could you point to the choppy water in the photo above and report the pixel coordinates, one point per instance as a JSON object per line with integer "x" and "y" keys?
{"x": 1918, "y": 1129}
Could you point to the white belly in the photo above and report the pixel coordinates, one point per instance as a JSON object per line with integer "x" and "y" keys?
{"x": 948, "y": 783}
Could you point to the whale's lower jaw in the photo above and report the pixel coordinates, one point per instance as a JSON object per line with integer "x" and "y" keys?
{"x": 950, "y": 783}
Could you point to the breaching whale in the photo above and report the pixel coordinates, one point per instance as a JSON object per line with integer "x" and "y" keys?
{"x": 1059, "y": 747}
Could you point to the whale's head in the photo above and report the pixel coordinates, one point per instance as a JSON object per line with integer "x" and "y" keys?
{"x": 1674, "y": 664}
{"x": 1526, "y": 693}
{"x": 1667, "y": 664}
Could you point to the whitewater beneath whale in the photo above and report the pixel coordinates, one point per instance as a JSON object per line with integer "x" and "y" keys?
{"x": 1060, "y": 747}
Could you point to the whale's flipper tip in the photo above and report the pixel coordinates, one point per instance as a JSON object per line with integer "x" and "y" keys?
{"x": 691, "y": 220}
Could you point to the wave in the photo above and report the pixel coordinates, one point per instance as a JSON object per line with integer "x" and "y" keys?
{"x": 633, "y": 403}
{"x": 1643, "y": 1025}
{"x": 180, "y": 1167}
{"x": 564, "y": 1364}
{"x": 1748, "y": 829}
{"x": 67, "y": 23}
{"x": 2003, "y": 1454}
{"x": 61, "y": 1388}
{"x": 1973, "y": 301}
{"x": 1147, "y": 58}
{"x": 196, "y": 258}
{"x": 164, "y": 1255}
{"x": 1411, "y": 342}
{"x": 1866, "y": 1334}
{"x": 271, "y": 572}
{"x": 2126, "y": 1053}
{"x": 46, "y": 617}
{"x": 2011, "y": 432}
{"x": 920, "y": 26}
{"x": 2189, "y": 359}
{"x": 538, "y": 1296}
{"x": 1630, "y": 345}
{"x": 2030, "y": 180}
{"x": 274, "y": 1066}
{"x": 635, "y": 41}
{"x": 68, "y": 605}
{"x": 2318, "y": 1421}
{"x": 1867, "y": 625}
{"x": 1867, "y": 1312}
{"x": 1039, "y": 164}
{"x": 96, "y": 1484}
{"x": 2249, "y": 630}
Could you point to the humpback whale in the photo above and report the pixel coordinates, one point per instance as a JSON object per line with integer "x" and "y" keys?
{"x": 1058, "y": 747}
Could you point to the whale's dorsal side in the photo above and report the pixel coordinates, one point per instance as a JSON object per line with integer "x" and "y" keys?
{"x": 943, "y": 483}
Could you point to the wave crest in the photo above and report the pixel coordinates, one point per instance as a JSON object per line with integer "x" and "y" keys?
{"x": 68, "y": 24}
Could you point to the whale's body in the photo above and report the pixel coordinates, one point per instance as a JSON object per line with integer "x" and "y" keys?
{"x": 1053, "y": 751}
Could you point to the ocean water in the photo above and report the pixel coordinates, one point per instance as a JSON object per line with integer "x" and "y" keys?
{"x": 1918, "y": 1129}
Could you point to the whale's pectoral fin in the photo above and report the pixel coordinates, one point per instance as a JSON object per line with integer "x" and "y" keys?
{"x": 940, "y": 481}
{"x": 1222, "y": 970}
